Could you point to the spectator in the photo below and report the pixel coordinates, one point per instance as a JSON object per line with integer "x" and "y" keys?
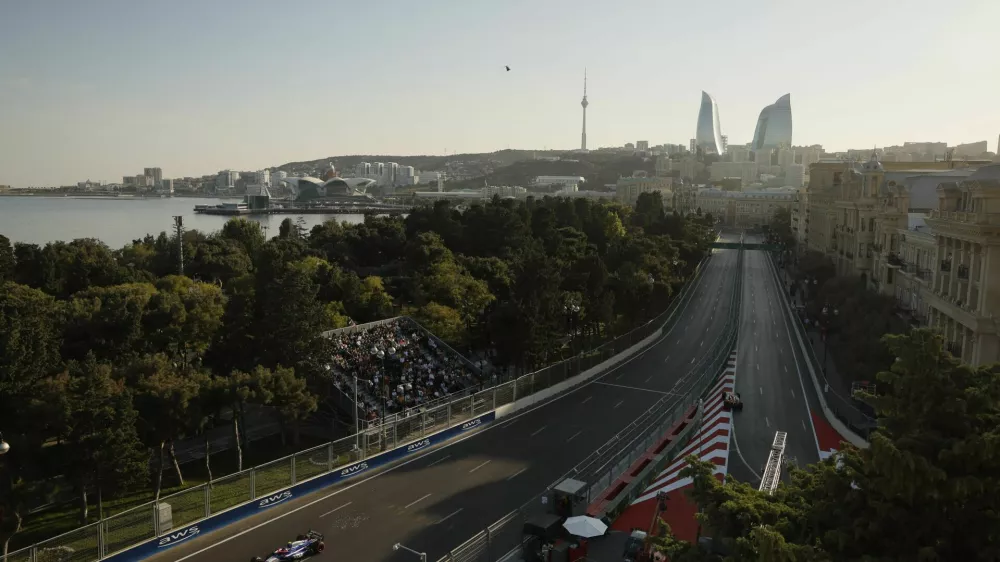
{"x": 396, "y": 362}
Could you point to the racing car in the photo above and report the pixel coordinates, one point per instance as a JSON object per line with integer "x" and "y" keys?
{"x": 305, "y": 545}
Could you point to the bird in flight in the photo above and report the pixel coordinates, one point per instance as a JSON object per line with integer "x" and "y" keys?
{"x": 508, "y": 68}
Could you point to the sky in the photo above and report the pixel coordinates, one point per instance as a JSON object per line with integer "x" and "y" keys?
{"x": 99, "y": 89}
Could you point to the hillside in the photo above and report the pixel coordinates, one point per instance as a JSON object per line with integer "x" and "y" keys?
{"x": 598, "y": 169}
{"x": 420, "y": 162}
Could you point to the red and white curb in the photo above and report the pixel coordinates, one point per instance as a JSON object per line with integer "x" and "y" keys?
{"x": 711, "y": 442}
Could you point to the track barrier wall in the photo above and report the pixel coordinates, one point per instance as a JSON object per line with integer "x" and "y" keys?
{"x": 151, "y": 528}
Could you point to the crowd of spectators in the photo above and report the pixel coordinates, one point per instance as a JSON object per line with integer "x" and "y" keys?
{"x": 397, "y": 366}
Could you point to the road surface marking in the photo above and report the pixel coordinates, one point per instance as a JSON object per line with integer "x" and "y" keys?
{"x": 511, "y": 477}
{"x": 786, "y": 368}
{"x": 572, "y": 437}
{"x": 667, "y": 358}
{"x": 477, "y": 468}
{"x": 804, "y": 425}
{"x": 762, "y": 391}
{"x": 447, "y": 517}
{"x": 767, "y": 421}
{"x": 537, "y": 431}
{"x": 336, "y": 509}
{"x": 442, "y": 459}
{"x": 758, "y": 366}
{"x": 633, "y": 387}
{"x": 647, "y": 378}
{"x": 587, "y": 399}
{"x": 415, "y": 502}
{"x": 702, "y": 343}
{"x": 793, "y": 392}
{"x": 620, "y": 402}
{"x": 692, "y": 359}
{"x": 756, "y": 348}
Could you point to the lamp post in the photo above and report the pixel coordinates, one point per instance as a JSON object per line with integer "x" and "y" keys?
{"x": 4, "y": 446}
{"x": 382, "y": 382}
{"x": 826, "y": 330}
{"x": 422, "y": 555}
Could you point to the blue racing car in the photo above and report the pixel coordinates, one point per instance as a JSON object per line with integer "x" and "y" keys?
{"x": 305, "y": 545}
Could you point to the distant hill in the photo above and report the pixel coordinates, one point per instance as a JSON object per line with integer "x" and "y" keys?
{"x": 420, "y": 162}
{"x": 597, "y": 169}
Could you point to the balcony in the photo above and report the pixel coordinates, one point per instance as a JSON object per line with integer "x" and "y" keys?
{"x": 963, "y": 272}
{"x": 924, "y": 274}
{"x": 894, "y": 260}
{"x": 945, "y": 265}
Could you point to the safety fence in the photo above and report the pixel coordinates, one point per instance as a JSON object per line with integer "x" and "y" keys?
{"x": 844, "y": 408}
{"x": 600, "y": 469}
{"x": 138, "y": 525}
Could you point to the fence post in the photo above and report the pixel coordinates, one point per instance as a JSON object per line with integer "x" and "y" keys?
{"x": 101, "y": 546}
{"x": 293, "y": 469}
{"x": 156, "y": 518}
{"x": 208, "y": 500}
{"x": 329, "y": 456}
{"x": 449, "y": 414}
{"x": 34, "y": 553}
{"x": 253, "y": 484}
{"x": 472, "y": 406}
{"x": 494, "y": 395}
{"x": 514, "y": 382}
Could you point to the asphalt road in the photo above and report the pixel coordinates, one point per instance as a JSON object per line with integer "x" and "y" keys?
{"x": 775, "y": 396}
{"x": 439, "y": 500}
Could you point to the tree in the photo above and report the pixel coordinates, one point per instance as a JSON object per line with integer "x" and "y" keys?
{"x": 97, "y": 423}
{"x": 106, "y": 321}
{"x": 6, "y": 260}
{"x": 182, "y": 317}
{"x": 245, "y": 233}
{"x": 290, "y": 398}
{"x": 926, "y": 488}
{"x": 238, "y": 390}
{"x": 166, "y": 399}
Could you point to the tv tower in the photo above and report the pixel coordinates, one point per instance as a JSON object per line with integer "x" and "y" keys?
{"x": 583, "y": 137}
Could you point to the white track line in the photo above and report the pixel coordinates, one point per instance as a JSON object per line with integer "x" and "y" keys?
{"x": 512, "y": 476}
{"x": 480, "y": 466}
{"x": 449, "y": 516}
{"x": 336, "y": 509}
{"x": 415, "y": 502}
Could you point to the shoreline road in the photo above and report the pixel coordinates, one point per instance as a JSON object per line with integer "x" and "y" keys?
{"x": 771, "y": 379}
{"x": 437, "y": 501}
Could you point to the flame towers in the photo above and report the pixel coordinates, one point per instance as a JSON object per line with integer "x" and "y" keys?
{"x": 774, "y": 126}
{"x": 708, "y": 136}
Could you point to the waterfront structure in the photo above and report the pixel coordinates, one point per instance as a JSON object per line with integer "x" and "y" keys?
{"x": 708, "y": 135}
{"x": 584, "y": 103}
{"x": 774, "y": 126}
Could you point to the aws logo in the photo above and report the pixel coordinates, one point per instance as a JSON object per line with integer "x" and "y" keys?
{"x": 351, "y": 470}
{"x": 274, "y": 500}
{"x": 418, "y": 445}
{"x": 174, "y": 538}
{"x": 472, "y": 424}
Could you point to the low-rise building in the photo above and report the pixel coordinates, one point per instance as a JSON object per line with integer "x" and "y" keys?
{"x": 627, "y": 190}
{"x": 745, "y": 209}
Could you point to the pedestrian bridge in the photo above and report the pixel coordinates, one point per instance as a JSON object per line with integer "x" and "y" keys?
{"x": 747, "y": 246}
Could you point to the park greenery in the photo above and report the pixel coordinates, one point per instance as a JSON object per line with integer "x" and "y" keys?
{"x": 928, "y": 487}
{"x": 108, "y": 357}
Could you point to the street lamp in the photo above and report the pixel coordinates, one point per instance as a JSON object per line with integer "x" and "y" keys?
{"x": 382, "y": 382}
{"x": 4, "y": 446}
{"x": 422, "y": 555}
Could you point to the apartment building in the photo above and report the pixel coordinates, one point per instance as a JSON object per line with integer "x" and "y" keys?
{"x": 745, "y": 209}
{"x": 843, "y": 206}
{"x": 964, "y": 295}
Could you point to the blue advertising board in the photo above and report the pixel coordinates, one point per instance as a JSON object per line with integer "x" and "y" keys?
{"x": 216, "y": 522}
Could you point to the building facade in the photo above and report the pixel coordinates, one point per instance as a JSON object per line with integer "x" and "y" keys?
{"x": 745, "y": 209}
{"x": 627, "y": 190}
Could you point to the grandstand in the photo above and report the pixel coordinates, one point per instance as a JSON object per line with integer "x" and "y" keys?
{"x": 399, "y": 367}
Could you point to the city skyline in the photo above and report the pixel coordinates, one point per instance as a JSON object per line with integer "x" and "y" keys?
{"x": 193, "y": 95}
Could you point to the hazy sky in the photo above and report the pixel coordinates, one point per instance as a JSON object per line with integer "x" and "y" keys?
{"x": 102, "y": 88}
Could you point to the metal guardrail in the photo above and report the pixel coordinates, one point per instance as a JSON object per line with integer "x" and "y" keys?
{"x": 139, "y": 524}
{"x": 499, "y": 540}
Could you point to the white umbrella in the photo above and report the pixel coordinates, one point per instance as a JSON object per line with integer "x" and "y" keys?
{"x": 586, "y": 527}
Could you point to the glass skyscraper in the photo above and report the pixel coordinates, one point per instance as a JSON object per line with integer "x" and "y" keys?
{"x": 708, "y": 136}
{"x": 774, "y": 126}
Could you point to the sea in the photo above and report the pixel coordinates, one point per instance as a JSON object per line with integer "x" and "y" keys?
{"x": 117, "y": 221}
